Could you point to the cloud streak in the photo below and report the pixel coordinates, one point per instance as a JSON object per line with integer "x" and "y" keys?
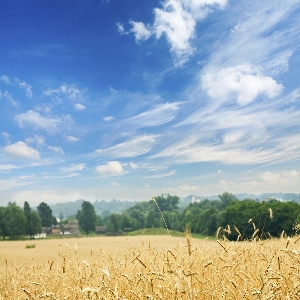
{"x": 131, "y": 148}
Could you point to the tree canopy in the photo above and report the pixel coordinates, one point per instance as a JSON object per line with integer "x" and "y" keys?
{"x": 45, "y": 213}
{"x": 87, "y": 217}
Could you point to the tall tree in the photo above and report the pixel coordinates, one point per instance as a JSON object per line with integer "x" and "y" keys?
{"x": 45, "y": 213}
{"x": 115, "y": 219}
{"x": 226, "y": 198}
{"x": 15, "y": 220}
{"x": 87, "y": 217}
{"x": 3, "y": 230}
{"x": 166, "y": 202}
{"x": 150, "y": 220}
{"x": 33, "y": 221}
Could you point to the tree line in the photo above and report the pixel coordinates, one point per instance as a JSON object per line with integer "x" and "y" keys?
{"x": 233, "y": 218}
{"x": 236, "y": 219}
{"x": 16, "y": 222}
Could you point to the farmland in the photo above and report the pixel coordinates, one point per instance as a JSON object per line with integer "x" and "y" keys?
{"x": 149, "y": 267}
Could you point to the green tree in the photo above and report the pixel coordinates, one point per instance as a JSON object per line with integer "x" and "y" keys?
{"x": 87, "y": 217}
{"x": 15, "y": 220}
{"x": 226, "y": 198}
{"x": 3, "y": 230}
{"x": 33, "y": 221}
{"x": 45, "y": 213}
{"x": 150, "y": 220}
{"x": 54, "y": 221}
{"x": 99, "y": 221}
{"x": 268, "y": 217}
{"x": 167, "y": 202}
{"x": 115, "y": 219}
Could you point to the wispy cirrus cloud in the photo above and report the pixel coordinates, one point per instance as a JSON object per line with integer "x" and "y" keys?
{"x": 67, "y": 91}
{"x": 9, "y": 98}
{"x": 38, "y": 139}
{"x": 162, "y": 175}
{"x": 56, "y": 149}
{"x": 25, "y": 86}
{"x": 73, "y": 168}
{"x": 37, "y": 121}
{"x": 40, "y": 50}
{"x": 137, "y": 146}
{"x": 5, "y": 79}
{"x": 7, "y": 167}
{"x": 156, "y": 116}
{"x": 246, "y": 115}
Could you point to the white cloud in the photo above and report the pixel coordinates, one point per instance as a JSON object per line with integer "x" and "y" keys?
{"x": 25, "y": 86}
{"x": 7, "y": 167}
{"x": 245, "y": 82}
{"x": 269, "y": 176}
{"x": 79, "y": 106}
{"x": 35, "y": 120}
{"x": 176, "y": 19}
{"x": 112, "y": 168}
{"x": 38, "y": 139}
{"x": 56, "y": 149}
{"x": 159, "y": 115}
{"x": 133, "y": 165}
{"x": 189, "y": 152}
{"x": 108, "y": 118}
{"x": 140, "y": 31}
{"x": 187, "y": 188}
{"x": 266, "y": 34}
{"x": 71, "y": 138}
{"x": 292, "y": 173}
{"x": 114, "y": 184}
{"x": 121, "y": 29}
{"x": 9, "y": 98}
{"x": 161, "y": 175}
{"x": 21, "y": 150}
{"x": 5, "y": 79}
{"x": 137, "y": 146}
{"x": 66, "y": 90}
{"x": 178, "y": 24}
{"x": 78, "y": 167}
{"x": 12, "y": 183}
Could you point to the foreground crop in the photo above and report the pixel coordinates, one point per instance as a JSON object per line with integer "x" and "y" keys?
{"x": 200, "y": 270}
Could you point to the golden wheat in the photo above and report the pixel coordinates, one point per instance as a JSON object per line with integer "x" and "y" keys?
{"x": 199, "y": 270}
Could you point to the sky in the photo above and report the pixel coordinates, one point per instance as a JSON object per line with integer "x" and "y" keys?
{"x": 115, "y": 99}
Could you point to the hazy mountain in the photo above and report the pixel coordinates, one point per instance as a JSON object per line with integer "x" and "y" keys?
{"x": 106, "y": 207}
{"x": 117, "y": 206}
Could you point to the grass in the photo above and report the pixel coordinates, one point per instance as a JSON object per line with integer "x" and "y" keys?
{"x": 155, "y": 231}
{"x": 30, "y": 246}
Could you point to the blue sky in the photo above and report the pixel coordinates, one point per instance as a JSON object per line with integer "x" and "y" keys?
{"x": 132, "y": 99}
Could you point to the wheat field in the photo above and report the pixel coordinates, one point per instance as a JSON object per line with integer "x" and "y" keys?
{"x": 145, "y": 267}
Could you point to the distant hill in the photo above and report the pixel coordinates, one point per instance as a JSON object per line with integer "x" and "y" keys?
{"x": 101, "y": 207}
{"x": 259, "y": 197}
{"x": 117, "y": 206}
